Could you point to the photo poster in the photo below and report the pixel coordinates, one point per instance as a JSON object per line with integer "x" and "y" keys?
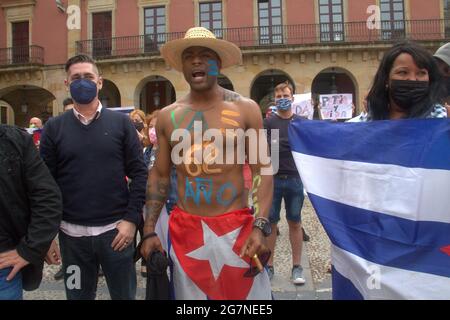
{"x": 303, "y": 105}
{"x": 336, "y": 106}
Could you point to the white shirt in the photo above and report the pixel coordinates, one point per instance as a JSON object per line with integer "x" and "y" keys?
{"x": 75, "y": 230}
{"x": 85, "y": 120}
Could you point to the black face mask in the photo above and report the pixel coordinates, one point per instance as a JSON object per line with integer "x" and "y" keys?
{"x": 139, "y": 125}
{"x": 407, "y": 93}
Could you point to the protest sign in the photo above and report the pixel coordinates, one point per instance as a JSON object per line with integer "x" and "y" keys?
{"x": 336, "y": 106}
{"x": 303, "y": 105}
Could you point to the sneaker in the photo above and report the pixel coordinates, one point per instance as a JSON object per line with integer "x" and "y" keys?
{"x": 305, "y": 235}
{"x": 270, "y": 272}
{"x": 297, "y": 277}
{"x": 59, "y": 275}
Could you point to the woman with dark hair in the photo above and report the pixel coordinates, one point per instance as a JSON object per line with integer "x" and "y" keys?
{"x": 407, "y": 85}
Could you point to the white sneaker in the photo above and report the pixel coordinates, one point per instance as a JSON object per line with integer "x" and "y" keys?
{"x": 297, "y": 275}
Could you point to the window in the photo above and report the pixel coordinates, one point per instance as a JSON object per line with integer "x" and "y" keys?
{"x": 392, "y": 19}
{"x": 447, "y": 18}
{"x": 20, "y": 42}
{"x": 154, "y": 28}
{"x": 101, "y": 34}
{"x": 3, "y": 115}
{"x": 331, "y": 18}
{"x": 211, "y": 17}
{"x": 270, "y": 22}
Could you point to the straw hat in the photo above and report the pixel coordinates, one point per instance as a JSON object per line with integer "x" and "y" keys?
{"x": 443, "y": 53}
{"x": 229, "y": 53}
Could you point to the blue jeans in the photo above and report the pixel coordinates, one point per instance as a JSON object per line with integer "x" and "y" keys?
{"x": 10, "y": 290}
{"x": 291, "y": 189}
{"x": 81, "y": 258}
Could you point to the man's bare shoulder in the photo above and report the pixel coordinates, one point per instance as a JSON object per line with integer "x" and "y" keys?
{"x": 176, "y": 106}
{"x": 231, "y": 96}
{"x": 238, "y": 99}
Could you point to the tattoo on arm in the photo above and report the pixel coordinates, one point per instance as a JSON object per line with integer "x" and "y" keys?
{"x": 230, "y": 96}
{"x": 155, "y": 200}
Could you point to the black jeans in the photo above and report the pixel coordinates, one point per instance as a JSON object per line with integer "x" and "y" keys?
{"x": 81, "y": 258}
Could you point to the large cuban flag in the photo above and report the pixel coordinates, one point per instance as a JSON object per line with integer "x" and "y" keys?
{"x": 382, "y": 192}
{"x": 205, "y": 255}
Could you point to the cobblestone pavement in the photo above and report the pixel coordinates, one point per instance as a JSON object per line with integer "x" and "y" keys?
{"x": 319, "y": 246}
{"x": 315, "y": 260}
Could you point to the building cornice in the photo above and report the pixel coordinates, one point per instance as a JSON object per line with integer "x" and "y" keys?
{"x": 17, "y": 3}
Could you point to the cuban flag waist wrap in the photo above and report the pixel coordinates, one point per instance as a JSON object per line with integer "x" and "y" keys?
{"x": 205, "y": 257}
{"x": 382, "y": 192}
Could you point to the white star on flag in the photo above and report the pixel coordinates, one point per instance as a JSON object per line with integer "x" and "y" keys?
{"x": 218, "y": 250}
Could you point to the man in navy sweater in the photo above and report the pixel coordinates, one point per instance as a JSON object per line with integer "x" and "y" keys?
{"x": 90, "y": 151}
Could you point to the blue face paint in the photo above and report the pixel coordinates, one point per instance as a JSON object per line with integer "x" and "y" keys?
{"x": 213, "y": 68}
{"x": 223, "y": 188}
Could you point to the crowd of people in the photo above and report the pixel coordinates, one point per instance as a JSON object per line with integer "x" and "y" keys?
{"x": 100, "y": 178}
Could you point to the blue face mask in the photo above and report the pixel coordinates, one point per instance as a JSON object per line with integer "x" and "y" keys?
{"x": 284, "y": 104}
{"x": 83, "y": 91}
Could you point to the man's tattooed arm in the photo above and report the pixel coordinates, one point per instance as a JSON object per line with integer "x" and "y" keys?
{"x": 157, "y": 193}
{"x": 158, "y": 185}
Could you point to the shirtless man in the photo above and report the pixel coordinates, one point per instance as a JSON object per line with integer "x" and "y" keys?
{"x": 211, "y": 207}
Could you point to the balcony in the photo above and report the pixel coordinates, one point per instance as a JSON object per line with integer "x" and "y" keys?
{"x": 279, "y": 36}
{"x": 18, "y": 56}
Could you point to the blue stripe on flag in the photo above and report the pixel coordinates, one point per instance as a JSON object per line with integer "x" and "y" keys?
{"x": 399, "y": 146}
{"x": 385, "y": 239}
{"x": 343, "y": 288}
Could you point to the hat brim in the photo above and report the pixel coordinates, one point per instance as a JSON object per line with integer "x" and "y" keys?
{"x": 229, "y": 53}
{"x": 443, "y": 57}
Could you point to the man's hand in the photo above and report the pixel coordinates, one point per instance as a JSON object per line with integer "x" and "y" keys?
{"x": 12, "y": 259}
{"x": 149, "y": 245}
{"x": 53, "y": 255}
{"x": 256, "y": 243}
{"x": 125, "y": 236}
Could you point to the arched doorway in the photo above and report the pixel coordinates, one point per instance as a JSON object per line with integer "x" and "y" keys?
{"x": 264, "y": 84}
{"x": 154, "y": 93}
{"x": 109, "y": 95}
{"x": 27, "y": 102}
{"x": 334, "y": 80}
{"x": 6, "y": 113}
{"x": 224, "y": 82}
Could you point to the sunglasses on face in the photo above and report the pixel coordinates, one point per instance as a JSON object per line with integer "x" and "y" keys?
{"x": 254, "y": 270}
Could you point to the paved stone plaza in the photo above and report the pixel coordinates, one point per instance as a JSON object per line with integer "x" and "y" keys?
{"x": 315, "y": 261}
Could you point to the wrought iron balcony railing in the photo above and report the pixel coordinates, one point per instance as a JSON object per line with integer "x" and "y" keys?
{"x": 281, "y": 35}
{"x": 21, "y": 55}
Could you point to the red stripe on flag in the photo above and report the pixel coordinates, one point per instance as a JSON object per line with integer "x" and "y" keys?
{"x": 446, "y": 250}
